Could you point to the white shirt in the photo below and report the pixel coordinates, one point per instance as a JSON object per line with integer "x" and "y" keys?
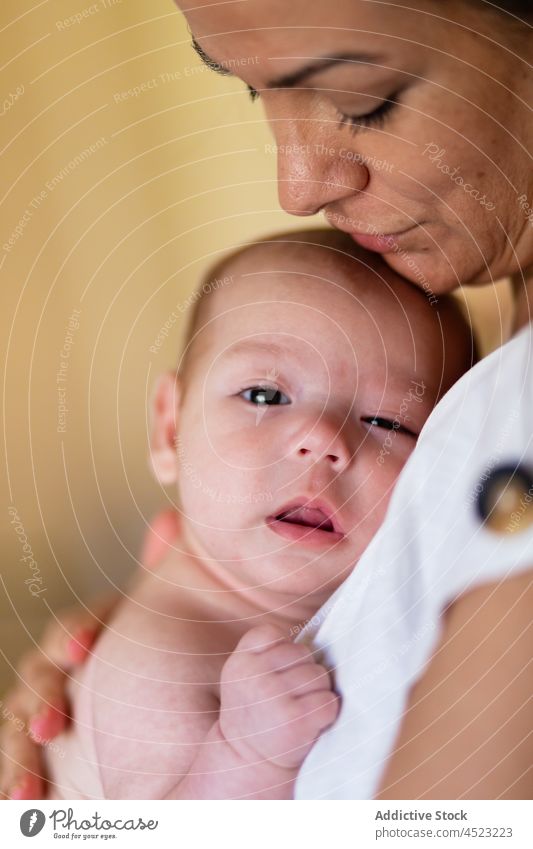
{"x": 379, "y": 629}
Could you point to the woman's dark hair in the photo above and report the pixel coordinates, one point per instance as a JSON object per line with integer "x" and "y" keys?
{"x": 522, "y": 8}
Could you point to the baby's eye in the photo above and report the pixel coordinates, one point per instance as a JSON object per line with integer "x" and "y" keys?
{"x": 264, "y": 395}
{"x": 388, "y": 424}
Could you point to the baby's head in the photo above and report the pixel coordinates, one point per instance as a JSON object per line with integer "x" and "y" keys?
{"x": 309, "y": 371}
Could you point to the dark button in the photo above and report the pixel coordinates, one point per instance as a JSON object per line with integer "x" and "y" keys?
{"x": 505, "y": 500}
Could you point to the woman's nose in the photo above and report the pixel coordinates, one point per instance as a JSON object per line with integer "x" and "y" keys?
{"x": 312, "y": 171}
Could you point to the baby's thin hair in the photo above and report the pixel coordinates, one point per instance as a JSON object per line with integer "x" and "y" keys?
{"x": 217, "y": 275}
{"x": 330, "y": 241}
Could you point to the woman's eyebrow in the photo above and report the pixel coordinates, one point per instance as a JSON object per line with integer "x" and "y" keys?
{"x": 214, "y": 66}
{"x": 295, "y": 77}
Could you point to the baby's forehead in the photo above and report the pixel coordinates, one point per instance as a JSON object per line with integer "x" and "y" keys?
{"x": 330, "y": 296}
{"x": 313, "y": 276}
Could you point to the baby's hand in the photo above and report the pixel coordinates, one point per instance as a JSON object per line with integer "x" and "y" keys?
{"x": 275, "y": 700}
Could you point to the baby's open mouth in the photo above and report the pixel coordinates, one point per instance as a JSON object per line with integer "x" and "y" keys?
{"x": 307, "y": 523}
{"x": 310, "y": 517}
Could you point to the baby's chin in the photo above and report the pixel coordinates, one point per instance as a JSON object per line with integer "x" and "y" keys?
{"x": 297, "y": 572}
{"x": 260, "y": 558}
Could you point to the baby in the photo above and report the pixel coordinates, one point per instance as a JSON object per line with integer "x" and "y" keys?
{"x": 309, "y": 371}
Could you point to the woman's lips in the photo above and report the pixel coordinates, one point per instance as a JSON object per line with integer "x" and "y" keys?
{"x": 382, "y": 243}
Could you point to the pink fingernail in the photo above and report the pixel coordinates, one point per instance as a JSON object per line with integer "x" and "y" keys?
{"x": 79, "y": 645}
{"x": 21, "y": 791}
{"x": 47, "y": 723}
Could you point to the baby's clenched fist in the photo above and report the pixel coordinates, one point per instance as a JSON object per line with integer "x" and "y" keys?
{"x": 275, "y": 700}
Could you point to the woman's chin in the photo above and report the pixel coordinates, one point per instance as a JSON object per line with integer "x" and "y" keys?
{"x": 432, "y": 272}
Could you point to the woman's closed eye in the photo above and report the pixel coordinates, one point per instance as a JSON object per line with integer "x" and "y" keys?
{"x": 375, "y": 118}
{"x": 264, "y": 396}
{"x": 389, "y": 424}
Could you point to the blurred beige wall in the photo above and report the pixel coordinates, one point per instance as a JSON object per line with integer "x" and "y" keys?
{"x": 126, "y": 166}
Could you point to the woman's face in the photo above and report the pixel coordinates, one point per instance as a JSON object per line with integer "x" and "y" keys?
{"x": 407, "y": 127}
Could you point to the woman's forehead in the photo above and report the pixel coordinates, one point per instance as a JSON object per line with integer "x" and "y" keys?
{"x": 265, "y": 42}
{"x": 278, "y": 24}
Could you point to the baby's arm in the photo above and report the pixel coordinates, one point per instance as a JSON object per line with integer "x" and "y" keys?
{"x": 275, "y": 701}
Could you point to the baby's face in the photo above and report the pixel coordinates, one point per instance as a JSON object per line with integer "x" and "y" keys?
{"x": 304, "y": 398}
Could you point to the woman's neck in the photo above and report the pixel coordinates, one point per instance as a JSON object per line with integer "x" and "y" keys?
{"x": 523, "y": 298}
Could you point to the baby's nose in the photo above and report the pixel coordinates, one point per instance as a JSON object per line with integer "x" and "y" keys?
{"x": 324, "y": 442}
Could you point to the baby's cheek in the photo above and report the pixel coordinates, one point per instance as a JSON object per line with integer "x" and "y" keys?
{"x": 382, "y": 473}
{"x": 251, "y": 446}
{"x": 215, "y": 492}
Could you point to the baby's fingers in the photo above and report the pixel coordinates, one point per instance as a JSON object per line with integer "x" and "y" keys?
{"x": 306, "y": 678}
{"x": 319, "y": 709}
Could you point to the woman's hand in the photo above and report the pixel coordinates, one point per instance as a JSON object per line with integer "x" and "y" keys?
{"x": 36, "y": 710}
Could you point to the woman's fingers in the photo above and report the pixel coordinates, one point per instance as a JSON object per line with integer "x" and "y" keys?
{"x": 37, "y": 708}
{"x": 40, "y": 692}
{"x": 21, "y": 757}
{"x": 20, "y": 776}
{"x": 69, "y": 637}
{"x": 40, "y": 696}
{"x": 34, "y": 713}
{"x": 160, "y": 538}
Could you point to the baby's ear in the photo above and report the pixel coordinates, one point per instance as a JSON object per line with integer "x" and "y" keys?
{"x": 164, "y": 411}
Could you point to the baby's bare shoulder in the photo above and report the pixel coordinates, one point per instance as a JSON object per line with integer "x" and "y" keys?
{"x": 154, "y": 683}
{"x": 162, "y": 622}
